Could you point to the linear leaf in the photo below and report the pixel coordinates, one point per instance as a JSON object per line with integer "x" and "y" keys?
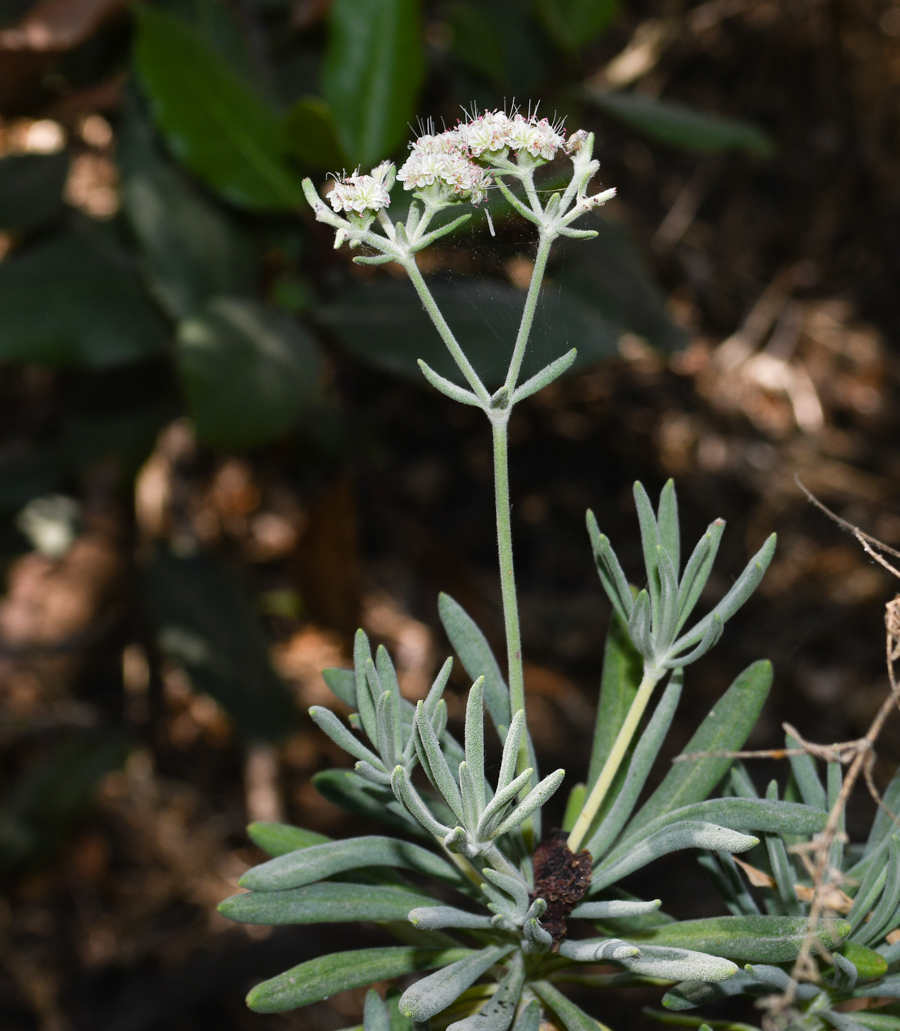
{"x": 623, "y": 668}
{"x": 279, "y": 838}
{"x": 322, "y": 903}
{"x": 324, "y": 976}
{"x": 726, "y": 728}
{"x": 477, "y": 658}
{"x": 689, "y": 834}
{"x": 750, "y": 939}
{"x": 741, "y": 814}
{"x": 572, "y": 1017}
{"x": 677, "y": 964}
{"x": 498, "y": 1012}
{"x": 645, "y": 753}
{"x": 319, "y": 861}
{"x": 435, "y": 992}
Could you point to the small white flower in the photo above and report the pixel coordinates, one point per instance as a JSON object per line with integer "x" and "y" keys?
{"x": 360, "y": 193}
{"x": 488, "y": 132}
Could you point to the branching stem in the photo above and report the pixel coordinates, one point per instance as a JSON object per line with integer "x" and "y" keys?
{"x": 614, "y": 759}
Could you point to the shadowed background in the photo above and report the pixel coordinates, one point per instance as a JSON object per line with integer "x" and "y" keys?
{"x": 218, "y": 458}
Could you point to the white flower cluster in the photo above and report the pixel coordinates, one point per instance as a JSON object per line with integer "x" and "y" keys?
{"x": 449, "y": 160}
{"x": 357, "y": 194}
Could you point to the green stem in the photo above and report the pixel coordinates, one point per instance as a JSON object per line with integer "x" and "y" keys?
{"x": 440, "y": 323}
{"x": 613, "y": 760}
{"x": 534, "y": 290}
{"x": 507, "y": 575}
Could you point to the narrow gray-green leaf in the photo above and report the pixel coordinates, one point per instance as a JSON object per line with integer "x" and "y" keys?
{"x": 741, "y": 814}
{"x": 612, "y": 576}
{"x": 477, "y": 658}
{"x": 697, "y": 570}
{"x": 689, "y": 834}
{"x": 373, "y": 68}
{"x": 279, "y": 838}
{"x": 545, "y": 377}
{"x": 667, "y": 520}
{"x": 446, "y": 387}
{"x": 572, "y": 1017}
{"x": 342, "y": 684}
{"x": 350, "y": 792}
{"x": 649, "y": 543}
{"x": 748, "y": 939}
{"x": 806, "y": 775}
{"x": 435, "y": 992}
{"x": 676, "y": 964}
{"x": 326, "y": 975}
{"x": 645, "y": 753}
{"x": 498, "y": 1012}
{"x": 322, "y": 903}
{"x": 436, "y": 918}
{"x": 319, "y": 861}
{"x": 725, "y": 729}
{"x": 623, "y": 669}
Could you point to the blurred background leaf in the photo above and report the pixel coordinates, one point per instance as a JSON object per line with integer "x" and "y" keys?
{"x": 31, "y": 189}
{"x": 205, "y": 624}
{"x": 679, "y": 125}
{"x": 213, "y": 121}
{"x": 373, "y": 69}
{"x": 75, "y": 298}
{"x": 575, "y": 23}
{"x": 53, "y": 793}
{"x": 248, "y": 372}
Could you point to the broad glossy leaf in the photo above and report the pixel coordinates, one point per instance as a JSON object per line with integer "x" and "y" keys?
{"x": 323, "y": 903}
{"x": 279, "y": 838}
{"x": 681, "y": 126}
{"x": 31, "y": 189}
{"x": 574, "y": 23}
{"x": 311, "y": 136}
{"x": 477, "y": 658}
{"x": 385, "y": 325}
{"x": 320, "y": 861}
{"x": 435, "y": 992}
{"x": 206, "y": 624}
{"x": 76, "y": 299}
{"x": 211, "y": 118}
{"x": 750, "y": 939}
{"x": 247, "y": 370}
{"x": 726, "y": 728}
{"x": 191, "y": 248}
{"x": 52, "y": 794}
{"x": 324, "y": 976}
{"x": 373, "y": 69}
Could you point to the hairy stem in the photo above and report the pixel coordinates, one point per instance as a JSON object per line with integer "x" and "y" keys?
{"x": 534, "y": 290}
{"x": 508, "y": 578}
{"x": 440, "y": 323}
{"x": 614, "y": 760}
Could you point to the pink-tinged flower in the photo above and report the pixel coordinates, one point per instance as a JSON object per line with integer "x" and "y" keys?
{"x": 360, "y": 193}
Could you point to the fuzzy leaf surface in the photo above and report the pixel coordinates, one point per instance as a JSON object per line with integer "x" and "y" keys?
{"x": 319, "y": 861}
{"x": 324, "y": 976}
{"x": 726, "y": 728}
{"x": 280, "y": 838}
{"x": 321, "y": 903}
{"x": 750, "y": 939}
